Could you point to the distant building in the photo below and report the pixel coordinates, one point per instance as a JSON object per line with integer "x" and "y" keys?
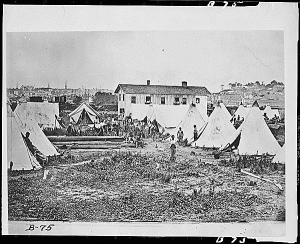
{"x": 229, "y": 97}
{"x": 158, "y": 94}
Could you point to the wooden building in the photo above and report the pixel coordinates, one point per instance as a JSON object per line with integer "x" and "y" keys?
{"x": 183, "y": 95}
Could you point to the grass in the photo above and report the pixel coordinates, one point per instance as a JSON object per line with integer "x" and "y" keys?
{"x": 125, "y": 186}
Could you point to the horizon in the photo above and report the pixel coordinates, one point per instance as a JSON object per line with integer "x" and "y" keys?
{"x": 107, "y": 58}
{"x": 92, "y": 88}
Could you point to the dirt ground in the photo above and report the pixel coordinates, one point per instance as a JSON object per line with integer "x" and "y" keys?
{"x": 130, "y": 184}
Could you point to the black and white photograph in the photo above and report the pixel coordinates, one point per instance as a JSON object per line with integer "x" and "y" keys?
{"x": 162, "y": 129}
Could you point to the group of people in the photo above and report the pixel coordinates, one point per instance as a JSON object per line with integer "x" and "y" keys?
{"x": 137, "y": 131}
{"x": 84, "y": 130}
{"x": 275, "y": 118}
{"x": 180, "y": 141}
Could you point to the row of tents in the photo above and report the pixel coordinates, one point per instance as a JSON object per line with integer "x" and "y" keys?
{"x": 18, "y": 154}
{"x": 215, "y": 131}
{"x": 242, "y": 112}
{"x": 253, "y": 137}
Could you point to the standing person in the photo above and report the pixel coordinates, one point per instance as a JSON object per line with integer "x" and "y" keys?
{"x": 195, "y": 133}
{"x": 11, "y": 164}
{"x": 153, "y": 132}
{"x": 180, "y": 135}
{"x": 173, "y": 148}
{"x": 69, "y": 130}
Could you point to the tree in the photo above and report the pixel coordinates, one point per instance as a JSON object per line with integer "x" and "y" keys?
{"x": 274, "y": 82}
{"x": 257, "y": 83}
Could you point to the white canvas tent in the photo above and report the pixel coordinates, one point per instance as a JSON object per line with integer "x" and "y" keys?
{"x": 43, "y": 112}
{"x": 191, "y": 118}
{"x": 37, "y": 136}
{"x": 253, "y": 136}
{"x": 167, "y": 116}
{"x": 280, "y": 156}
{"x": 138, "y": 111}
{"x": 202, "y": 111}
{"x": 217, "y": 129}
{"x": 242, "y": 112}
{"x": 150, "y": 111}
{"x": 17, "y": 150}
{"x": 226, "y": 111}
{"x": 84, "y": 112}
{"x": 270, "y": 112}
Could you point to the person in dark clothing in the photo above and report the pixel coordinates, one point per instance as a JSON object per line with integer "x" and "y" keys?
{"x": 180, "y": 135}
{"x": 69, "y": 130}
{"x": 173, "y": 148}
{"x": 11, "y": 164}
{"x": 195, "y": 133}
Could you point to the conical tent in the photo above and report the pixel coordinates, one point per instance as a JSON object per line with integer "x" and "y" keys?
{"x": 17, "y": 151}
{"x": 226, "y": 111}
{"x": 217, "y": 129}
{"x": 168, "y": 116}
{"x": 37, "y": 136}
{"x": 191, "y": 118}
{"x": 255, "y": 104}
{"x": 85, "y": 111}
{"x": 253, "y": 136}
{"x": 139, "y": 111}
{"x": 242, "y": 112}
{"x": 280, "y": 156}
{"x": 203, "y": 113}
{"x": 270, "y": 112}
{"x": 150, "y": 112}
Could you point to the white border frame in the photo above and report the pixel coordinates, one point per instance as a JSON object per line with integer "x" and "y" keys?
{"x": 266, "y": 16}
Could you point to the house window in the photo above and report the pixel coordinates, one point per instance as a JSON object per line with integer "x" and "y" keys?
{"x": 162, "y": 100}
{"x": 184, "y": 100}
{"x": 122, "y": 110}
{"x": 123, "y": 97}
{"x": 176, "y": 101}
{"x": 148, "y": 99}
{"x": 197, "y": 100}
{"x": 120, "y": 97}
{"x": 133, "y": 99}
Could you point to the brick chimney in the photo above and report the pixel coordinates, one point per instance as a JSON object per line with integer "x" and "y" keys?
{"x": 184, "y": 84}
{"x": 148, "y": 82}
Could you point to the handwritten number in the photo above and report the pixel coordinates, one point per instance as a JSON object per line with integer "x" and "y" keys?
{"x": 234, "y": 239}
{"x": 49, "y": 227}
{"x": 42, "y": 227}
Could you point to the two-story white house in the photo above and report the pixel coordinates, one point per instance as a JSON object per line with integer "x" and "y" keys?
{"x": 183, "y": 95}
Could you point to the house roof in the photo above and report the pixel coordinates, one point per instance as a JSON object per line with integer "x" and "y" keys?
{"x": 164, "y": 90}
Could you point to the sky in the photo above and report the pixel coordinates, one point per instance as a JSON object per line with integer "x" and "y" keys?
{"x": 103, "y": 59}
